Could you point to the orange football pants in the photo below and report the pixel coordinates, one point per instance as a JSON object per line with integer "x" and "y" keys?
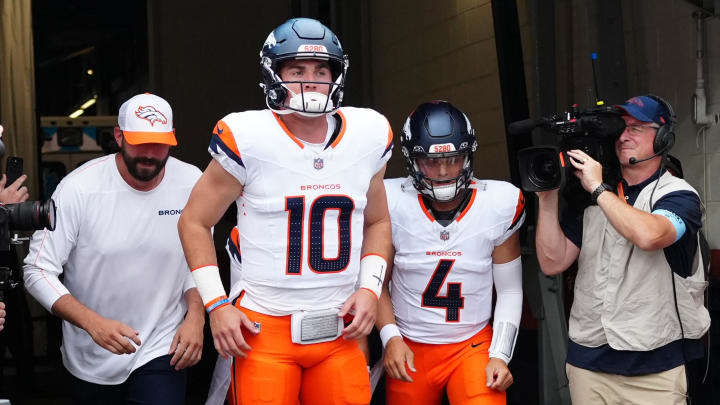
{"x": 280, "y": 372}
{"x": 457, "y": 367}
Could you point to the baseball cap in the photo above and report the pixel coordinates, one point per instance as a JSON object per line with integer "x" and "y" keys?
{"x": 647, "y": 109}
{"x": 147, "y": 118}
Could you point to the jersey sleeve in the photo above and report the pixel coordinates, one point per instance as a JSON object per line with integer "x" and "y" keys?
{"x": 49, "y": 250}
{"x": 387, "y": 152}
{"x": 516, "y": 217}
{"x": 224, "y": 150}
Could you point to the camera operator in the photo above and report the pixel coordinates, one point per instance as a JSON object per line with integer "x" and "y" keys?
{"x": 636, "y": 250}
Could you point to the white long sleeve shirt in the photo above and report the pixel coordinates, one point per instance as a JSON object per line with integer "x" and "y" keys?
{"x": 119, "y": 251}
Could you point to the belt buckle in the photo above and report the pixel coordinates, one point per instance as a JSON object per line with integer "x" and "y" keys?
{"x": 309, "y": 327}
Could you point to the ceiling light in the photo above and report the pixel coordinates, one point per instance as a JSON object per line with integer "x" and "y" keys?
{"x": 88, "y": 103}
{"x": 77, "y": 113}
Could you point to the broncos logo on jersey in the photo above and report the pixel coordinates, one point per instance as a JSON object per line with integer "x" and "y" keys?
{"x": 151, "y": 114}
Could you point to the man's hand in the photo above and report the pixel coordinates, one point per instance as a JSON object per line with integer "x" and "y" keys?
{"x": 2, "y": 315}
{"x": 186, "y": 346}
{"x": 397, "y": 354}
{"x": 14, "y": 193}
{"x": 112, "y": 335}
{"x": 226, "y": 324}
{"x": 589, "y": 171}
{"x": 498, "y": 375}
{"x": 363, "y": 305}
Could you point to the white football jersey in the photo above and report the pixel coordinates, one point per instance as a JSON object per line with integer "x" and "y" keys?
{"x": 300, "y": 217}
{"x": 442, "y": 275}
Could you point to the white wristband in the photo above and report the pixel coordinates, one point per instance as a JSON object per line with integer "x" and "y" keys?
{"x": 388, "y": 332}
{"x": 372, "y": 273}
{"x": 208, "y": 283}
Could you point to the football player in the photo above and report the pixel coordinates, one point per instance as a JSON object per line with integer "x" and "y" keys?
{"x": 454, "y": 237}
{"x": 306, "y": 176}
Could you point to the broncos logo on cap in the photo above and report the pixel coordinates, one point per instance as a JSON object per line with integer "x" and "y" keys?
{"x": 151, "y": 114}
{"x": 636, "y": 100}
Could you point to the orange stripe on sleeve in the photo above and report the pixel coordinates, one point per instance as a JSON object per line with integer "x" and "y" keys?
{"x": 390, "y": 136}
{"x": 226, "y": 136}
{"x": 235, "y": 237}
{"x": 519, "y": 208}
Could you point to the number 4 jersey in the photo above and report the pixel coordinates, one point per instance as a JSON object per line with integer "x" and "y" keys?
{"x": 300, "y": 217}
{"x": 442, "y": 275}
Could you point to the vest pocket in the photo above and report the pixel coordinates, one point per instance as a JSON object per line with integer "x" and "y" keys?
{"x": 691, "y": 304}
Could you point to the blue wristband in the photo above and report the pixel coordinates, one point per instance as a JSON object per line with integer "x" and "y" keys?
{"x": 217, "y": 305}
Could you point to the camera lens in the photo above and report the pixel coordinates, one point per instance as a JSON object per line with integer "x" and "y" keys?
{"x": 32, "y": 215}
{"x": 544, "y": 171}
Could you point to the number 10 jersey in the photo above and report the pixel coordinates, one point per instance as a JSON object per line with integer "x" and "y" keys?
{"x": 300, "y": 216}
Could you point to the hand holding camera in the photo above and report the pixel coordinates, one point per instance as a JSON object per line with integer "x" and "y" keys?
{"x": 589, "y": 171}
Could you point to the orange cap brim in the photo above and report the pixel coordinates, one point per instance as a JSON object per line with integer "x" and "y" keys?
{"x": 139, "y": 137}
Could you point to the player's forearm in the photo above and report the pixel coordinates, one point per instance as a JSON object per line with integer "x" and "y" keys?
{"x": 507, "y": 278}
{"x": 385, "y": 314}
{"x": 377, "y": 238}
{"x": 197, "y": 242}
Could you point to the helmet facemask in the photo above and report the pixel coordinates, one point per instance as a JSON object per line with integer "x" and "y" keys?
{"x": 439, "y": 189}
{"x": 433, "y": 138}
{"x": 282, "y": 100}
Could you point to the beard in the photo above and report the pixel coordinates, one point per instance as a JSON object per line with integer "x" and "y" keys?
{"x": 142, "y": 174}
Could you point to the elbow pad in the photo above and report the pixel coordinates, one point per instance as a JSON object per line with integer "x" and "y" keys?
{"x": 508, "y": 308}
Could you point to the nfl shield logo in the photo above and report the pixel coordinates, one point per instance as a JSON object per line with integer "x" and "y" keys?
{"x": 444, "y": 235}
{"x": 318, "y": 163}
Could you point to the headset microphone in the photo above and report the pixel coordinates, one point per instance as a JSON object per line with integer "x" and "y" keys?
{"x": 634, "y": 160}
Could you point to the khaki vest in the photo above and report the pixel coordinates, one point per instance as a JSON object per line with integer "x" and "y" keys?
{"x": 624, "y": 295}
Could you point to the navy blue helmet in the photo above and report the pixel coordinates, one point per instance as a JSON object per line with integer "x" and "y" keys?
{"x": 438, "y": 129}
{"x": 302, "y": 38}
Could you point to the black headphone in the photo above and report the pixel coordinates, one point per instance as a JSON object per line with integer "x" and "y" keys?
{"x": 665, "y": 135}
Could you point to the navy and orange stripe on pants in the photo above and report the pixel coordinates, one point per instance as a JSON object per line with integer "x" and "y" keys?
{"x": 277, "y": 371}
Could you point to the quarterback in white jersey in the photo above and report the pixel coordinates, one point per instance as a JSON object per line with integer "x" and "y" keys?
{"x": 126, "y": 288}
{"x": 454, "y": 238}
{"x": 306, "y": 176}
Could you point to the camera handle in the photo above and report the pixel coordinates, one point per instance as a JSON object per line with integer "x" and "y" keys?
{"x": 17, "y": 240}
{"x": 6, "y": 281}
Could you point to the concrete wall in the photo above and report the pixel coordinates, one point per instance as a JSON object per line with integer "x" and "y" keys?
{"x": 426, "y": 50}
